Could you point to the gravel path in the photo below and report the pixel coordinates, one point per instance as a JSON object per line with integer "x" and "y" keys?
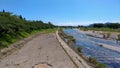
{"x": 44, "y": 50}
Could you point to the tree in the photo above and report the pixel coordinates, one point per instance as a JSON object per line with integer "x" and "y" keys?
{"x": 21, "y": 17}
{"x": 3, "y": 11}
{"x": 106, "y": 25}
{"x": 98, "y": 25}
{"x": 14, "y": 26}
{"x": 50, "y": 25}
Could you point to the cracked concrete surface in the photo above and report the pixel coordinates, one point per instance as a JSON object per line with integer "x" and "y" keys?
{"x": 43, "y": 49}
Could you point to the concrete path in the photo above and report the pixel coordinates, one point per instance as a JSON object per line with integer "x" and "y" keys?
{"x": 44, "y": 51}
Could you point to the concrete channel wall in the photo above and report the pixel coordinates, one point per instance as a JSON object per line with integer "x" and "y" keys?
{"x": 77, "y": 60}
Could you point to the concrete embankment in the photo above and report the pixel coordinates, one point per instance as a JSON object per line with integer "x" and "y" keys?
{"x": 79, "y": 62}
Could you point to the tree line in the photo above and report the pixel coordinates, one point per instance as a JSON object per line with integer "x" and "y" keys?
{"x": 13, "y": 25}
{"x": 105, "y": 25}
{"x": 96, "y": 25}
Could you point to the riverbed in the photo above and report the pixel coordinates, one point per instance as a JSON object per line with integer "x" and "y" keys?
{"x": 91, "y": 48}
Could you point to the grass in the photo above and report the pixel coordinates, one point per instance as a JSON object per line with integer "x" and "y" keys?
{"x": 96, "y": 63}
{"x": 48, "y": 31}
{"x": 79, "y": 49}
{"x": 10, "y": 39}
{"x": 71, "y": 39}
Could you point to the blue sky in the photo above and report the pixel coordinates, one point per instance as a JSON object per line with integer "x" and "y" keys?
{"x": 65, "y": 12}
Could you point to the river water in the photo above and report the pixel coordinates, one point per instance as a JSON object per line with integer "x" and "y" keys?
{"x": 91, "y": 48}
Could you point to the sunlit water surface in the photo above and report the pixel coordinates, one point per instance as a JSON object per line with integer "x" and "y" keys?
{"x": 91, "y": 48}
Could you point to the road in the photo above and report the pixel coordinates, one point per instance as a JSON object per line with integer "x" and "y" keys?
{"x": 43, "y": 50}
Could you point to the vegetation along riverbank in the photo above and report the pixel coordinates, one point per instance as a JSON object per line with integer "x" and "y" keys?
{"x": 15, "y": 27}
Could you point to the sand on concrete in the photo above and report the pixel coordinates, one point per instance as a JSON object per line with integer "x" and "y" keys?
{"x": 41, "y": 50}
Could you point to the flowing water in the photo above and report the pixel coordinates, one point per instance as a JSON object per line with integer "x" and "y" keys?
{"x": 91, "y": 48}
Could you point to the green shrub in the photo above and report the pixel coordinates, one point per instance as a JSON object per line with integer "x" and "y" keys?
{"x": 96, "y": 63}
{"x": 119, "y": 37}
{"x": 101, "y": 65}
{"x": 79, "y": 49}
{"x": 92, "y": 60}
{"x": 71, "y": 39}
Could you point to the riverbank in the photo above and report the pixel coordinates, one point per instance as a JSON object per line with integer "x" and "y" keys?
{"x": 78, "y": 61}
{"x": 94, "y": 47}
{"x": 111, "y": 34}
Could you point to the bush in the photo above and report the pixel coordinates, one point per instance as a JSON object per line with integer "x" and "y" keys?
{"x": 92, "y": 60}
{"x": 71, "y": 39}
{"x": 101, "y": 65}
{"x": 96, "y": 63}
{"x": 119, "y": 37}
{"x": 79, "y": 49}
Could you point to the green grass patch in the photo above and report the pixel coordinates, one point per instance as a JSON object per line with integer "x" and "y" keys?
{"x": 48, "y": 31}
{"x": 96, "y": 63}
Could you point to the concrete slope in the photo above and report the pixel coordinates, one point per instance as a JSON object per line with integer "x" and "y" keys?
{"x": 80, "y": 63}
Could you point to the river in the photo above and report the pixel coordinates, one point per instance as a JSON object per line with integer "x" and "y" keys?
{"x": 91, "y": 48}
